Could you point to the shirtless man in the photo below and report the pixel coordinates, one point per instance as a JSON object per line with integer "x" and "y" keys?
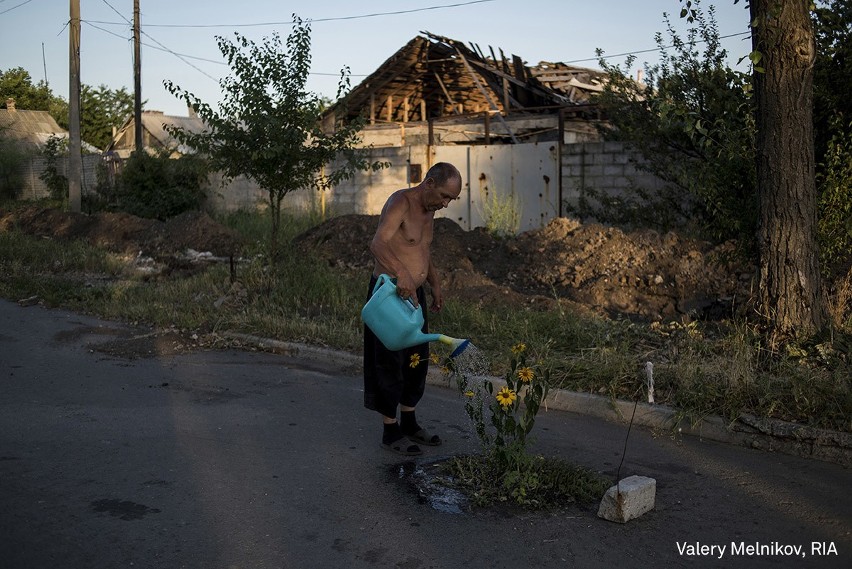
{"x": 401, "y": 247}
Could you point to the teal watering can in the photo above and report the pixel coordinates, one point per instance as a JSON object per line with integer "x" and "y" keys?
{"x": 397, "y": 322}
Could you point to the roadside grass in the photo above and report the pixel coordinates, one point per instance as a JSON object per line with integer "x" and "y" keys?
{"x": 699, "y": 368}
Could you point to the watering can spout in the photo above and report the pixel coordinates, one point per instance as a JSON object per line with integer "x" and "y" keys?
{"x": 458, "y": 345}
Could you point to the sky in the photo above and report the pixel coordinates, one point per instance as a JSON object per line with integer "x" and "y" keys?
{"x": 179, "y": 37}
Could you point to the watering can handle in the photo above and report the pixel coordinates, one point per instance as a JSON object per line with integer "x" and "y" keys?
{"x": 382, "y": 279}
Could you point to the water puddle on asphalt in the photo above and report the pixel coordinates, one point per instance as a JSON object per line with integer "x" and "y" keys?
{"x": 430, "y": 485}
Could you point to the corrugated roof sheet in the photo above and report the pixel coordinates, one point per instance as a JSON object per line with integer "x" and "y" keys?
{"x": 32, "y": 128}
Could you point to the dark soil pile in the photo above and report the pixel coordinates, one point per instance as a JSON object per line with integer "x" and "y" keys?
{"x": 639, "y": 274}
{"x": 126, "y": 233}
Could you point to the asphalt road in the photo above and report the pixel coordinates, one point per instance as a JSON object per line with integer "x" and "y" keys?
{"x": 231, "y": 459}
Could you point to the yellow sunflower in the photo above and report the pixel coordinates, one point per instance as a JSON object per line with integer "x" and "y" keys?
{"x": 519, "y": 348}
{"x": 415, "y": 360}
{"x": 526, "y": 374}
{"x": 469, "y": 393}
{"x": 433, "y": 357}
{"x": 506, "y": 397}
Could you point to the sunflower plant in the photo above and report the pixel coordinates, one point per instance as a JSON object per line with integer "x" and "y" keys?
{"x": 505, "y": 472}
{"x": 511, "y": 410}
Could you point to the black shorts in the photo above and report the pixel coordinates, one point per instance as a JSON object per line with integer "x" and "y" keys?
{"x": 389, "y": 378}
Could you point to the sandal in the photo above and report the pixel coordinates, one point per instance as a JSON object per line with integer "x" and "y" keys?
{"x": 424, "y": 438}
{"x": 402, "y": 447}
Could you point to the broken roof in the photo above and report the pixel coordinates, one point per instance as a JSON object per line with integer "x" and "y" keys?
{"x": 433, "y": 76}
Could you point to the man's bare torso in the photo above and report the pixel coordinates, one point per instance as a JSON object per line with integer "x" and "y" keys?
{"x": 412, "y": 239}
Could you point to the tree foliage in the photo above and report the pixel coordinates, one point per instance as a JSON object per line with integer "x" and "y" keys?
{"x": 693, "y": 125}
{"x": 158, "y": 187}
{"x": 101, "y": 109}
{"x": 57, "y": 183}
{"x": 832, "y": 70}
{"x": 832, "y": 140}
{"x": 267, "y": 126}
{"x": 835, "y": 203}
{"x": 17, "y": 84}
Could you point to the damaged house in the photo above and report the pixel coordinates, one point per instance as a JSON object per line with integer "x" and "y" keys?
{"x": 523, "y": 137}
{"x": 520, "y": 135}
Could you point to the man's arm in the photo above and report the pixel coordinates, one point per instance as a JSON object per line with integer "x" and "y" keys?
{"x": 434, "y": 280}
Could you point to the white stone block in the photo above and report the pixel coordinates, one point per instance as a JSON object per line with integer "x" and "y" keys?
{"x": 628, "y": 499}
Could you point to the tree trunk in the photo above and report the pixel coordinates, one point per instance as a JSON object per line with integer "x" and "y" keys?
{"x": 790, "y": 296}
{"x": 275, "y": 212}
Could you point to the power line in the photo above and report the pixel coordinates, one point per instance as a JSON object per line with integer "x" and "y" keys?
{"x": 18, "y": 6}
{"x": 183, "y": 57}
{"x": 179, "y": 56}
{"x": 205, "y": 59}
{"x": 648, "y": 50}
{"x": 287, "y": 23}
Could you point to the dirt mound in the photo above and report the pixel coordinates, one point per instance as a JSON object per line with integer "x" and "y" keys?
{"x": 640, "y": 274}
{"x": 123, "y": 232}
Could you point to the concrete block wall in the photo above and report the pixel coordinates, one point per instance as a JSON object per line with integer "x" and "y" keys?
{"x": 33, "y": 188}
{"x": 608, "y": 167}
{"x": 365, "y": 193}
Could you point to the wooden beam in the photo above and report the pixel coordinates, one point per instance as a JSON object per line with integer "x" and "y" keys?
{"x": 372, "y": 108}
{"x": 405, "y": 109}
{"x": 506, "y": 94}
{"x": 485, "y": 93}
{"x": 446, "y": 93}
{"x": 422, "y": 109}
{"x": 390, "y": 108}
{"x": 487, "y": 127}
{"x": 510, "y": 78}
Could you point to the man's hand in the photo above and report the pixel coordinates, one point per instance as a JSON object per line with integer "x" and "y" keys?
{"x": 437, "y": 300}
{"x": 405, "y": 287}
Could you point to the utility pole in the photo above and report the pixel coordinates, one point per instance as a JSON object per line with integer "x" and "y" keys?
{"x": 137, "y": 78}
{"x": 44, "y": 62}
{"x": 75, "y": 150}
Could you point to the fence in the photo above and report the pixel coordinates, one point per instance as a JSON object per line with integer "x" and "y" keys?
{"x": 543, "y": 182}
{"x": 34, "y": 188}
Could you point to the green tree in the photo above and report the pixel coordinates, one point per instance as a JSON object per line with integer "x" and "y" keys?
{"x": 267, "y": 127}
{"x": 17, "y": 84}
{"x": 783, "y": 53}
{"x": 101, "y": 109}
{"x": 692, "y": 123}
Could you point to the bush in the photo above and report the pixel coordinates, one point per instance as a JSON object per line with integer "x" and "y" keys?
{"x": 502, "y": 214}
{"x": 11, "y": 168}
{"x": 834, "y": 180}
{"x": 160, "y": 187}
{"x": 56, "y": 183}
{"x": 693, "y": 126}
